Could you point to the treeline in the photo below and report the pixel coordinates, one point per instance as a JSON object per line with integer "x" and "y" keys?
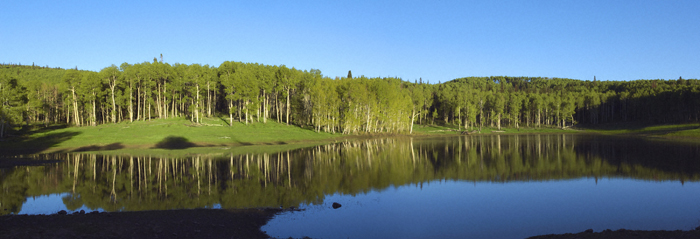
{"x": 241, "y": 91}
{"x": 33, "y": 66}
{"x": 251, "y": 92}
{"x": 535, "y": 101}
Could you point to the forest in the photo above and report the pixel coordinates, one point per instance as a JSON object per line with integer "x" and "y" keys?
{"x": 250, "y": 93}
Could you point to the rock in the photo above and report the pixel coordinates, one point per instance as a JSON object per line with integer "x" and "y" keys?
{"x": 62, "y": 212}
{"x": 336, "y": 205}
{"x": 82, "y": 211}
{"x": 588, "y": 231}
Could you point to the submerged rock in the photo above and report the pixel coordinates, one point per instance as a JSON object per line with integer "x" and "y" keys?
{"x": 336, "y": 205}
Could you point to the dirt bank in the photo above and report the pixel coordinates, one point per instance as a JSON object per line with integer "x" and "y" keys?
{"x": 624, "y": 234}
{"x": 195, "y": 223}
{"x": 209, "y": 223}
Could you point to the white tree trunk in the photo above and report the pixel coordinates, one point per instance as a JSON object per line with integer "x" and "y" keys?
{"x": 265, "y": 101}
{"x": 413, "y": 117}
{"x": 196, "y": 105}
{"x": 208, "y": 101}
{"x": 131, "y": 104}
{"x": 230, "y": 112}
{"x": 114, "y": 103}
{"x": 165, "y": 102}
{"x": 94, "y": 114}
{"x": 75, "y": 107}
{"x": 138, "y": 104}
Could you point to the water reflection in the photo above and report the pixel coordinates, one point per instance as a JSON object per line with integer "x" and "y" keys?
{"x": 306, "y": 176}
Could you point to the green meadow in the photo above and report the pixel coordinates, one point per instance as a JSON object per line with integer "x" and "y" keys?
{"x": 170, "y": 134}
{"x": 179, "y": 136}
{"x": 666, "y": 131}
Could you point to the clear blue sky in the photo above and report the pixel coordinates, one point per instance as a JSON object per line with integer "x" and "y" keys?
{"x": 435, "y": 40}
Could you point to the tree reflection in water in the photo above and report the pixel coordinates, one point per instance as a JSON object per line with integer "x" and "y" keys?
{"x": 305, "y": 176}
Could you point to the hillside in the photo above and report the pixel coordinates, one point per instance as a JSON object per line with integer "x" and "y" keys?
{"x": 165, "y": 134}
{"x": 257, "y": 93}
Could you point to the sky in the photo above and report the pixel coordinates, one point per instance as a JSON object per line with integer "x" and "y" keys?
{"x": 435, "y": 41}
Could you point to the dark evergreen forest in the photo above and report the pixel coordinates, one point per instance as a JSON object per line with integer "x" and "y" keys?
{"x": 253, "y": 93}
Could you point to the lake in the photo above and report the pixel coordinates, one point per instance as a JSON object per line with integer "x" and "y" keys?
{"x": 492, "y": 186}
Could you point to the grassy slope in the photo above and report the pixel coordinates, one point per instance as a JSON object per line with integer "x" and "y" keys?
{"x": 143, "y": 137}
{"x": 211, "y": 131}
{"x": 666, "y": 131}
{"x": 147, "y": 134}
{"x": 672, "y": 131}
{"x": 214, "y": 132}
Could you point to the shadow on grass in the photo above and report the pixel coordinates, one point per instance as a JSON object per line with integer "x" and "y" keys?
{"x": 113, "y": 146}
{"x": 632, "y": 126}
{"x": 243, "y": 143}
{"x": 640, "y": 128}
{"x": 225, "y": 121}
{"x": 35, "y": 145}
{"x": 671, "y": 130}
{"x": 276, "y": 143}
{"x": 39, "y": 128}
{"x": 174, "y": 142}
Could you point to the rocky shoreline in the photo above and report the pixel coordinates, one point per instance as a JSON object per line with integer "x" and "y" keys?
{"x": 209, "y": 223}
{"x": 624, "y": 234}
{"x": 194, "y": 223}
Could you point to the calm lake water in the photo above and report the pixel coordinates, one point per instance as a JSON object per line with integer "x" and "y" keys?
{"x": 438, "y": 187}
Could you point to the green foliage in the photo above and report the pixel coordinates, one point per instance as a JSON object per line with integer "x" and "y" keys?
{"x": 13, "y": 98}
{"x": 252, "y": 92}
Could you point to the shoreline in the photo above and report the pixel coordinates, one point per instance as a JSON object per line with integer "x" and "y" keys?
{"x": 187, "y": 223}
{"x": 116, "y": 147}
{"x": 178, "y": 133}
{"x": 624, "y": 234}
{"x": 212, "y": 223}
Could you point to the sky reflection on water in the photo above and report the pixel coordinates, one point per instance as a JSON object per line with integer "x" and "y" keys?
{"x": 53, "y": 203}
{"x": 49, "y": 204}
{"x": 463, "y": 209}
